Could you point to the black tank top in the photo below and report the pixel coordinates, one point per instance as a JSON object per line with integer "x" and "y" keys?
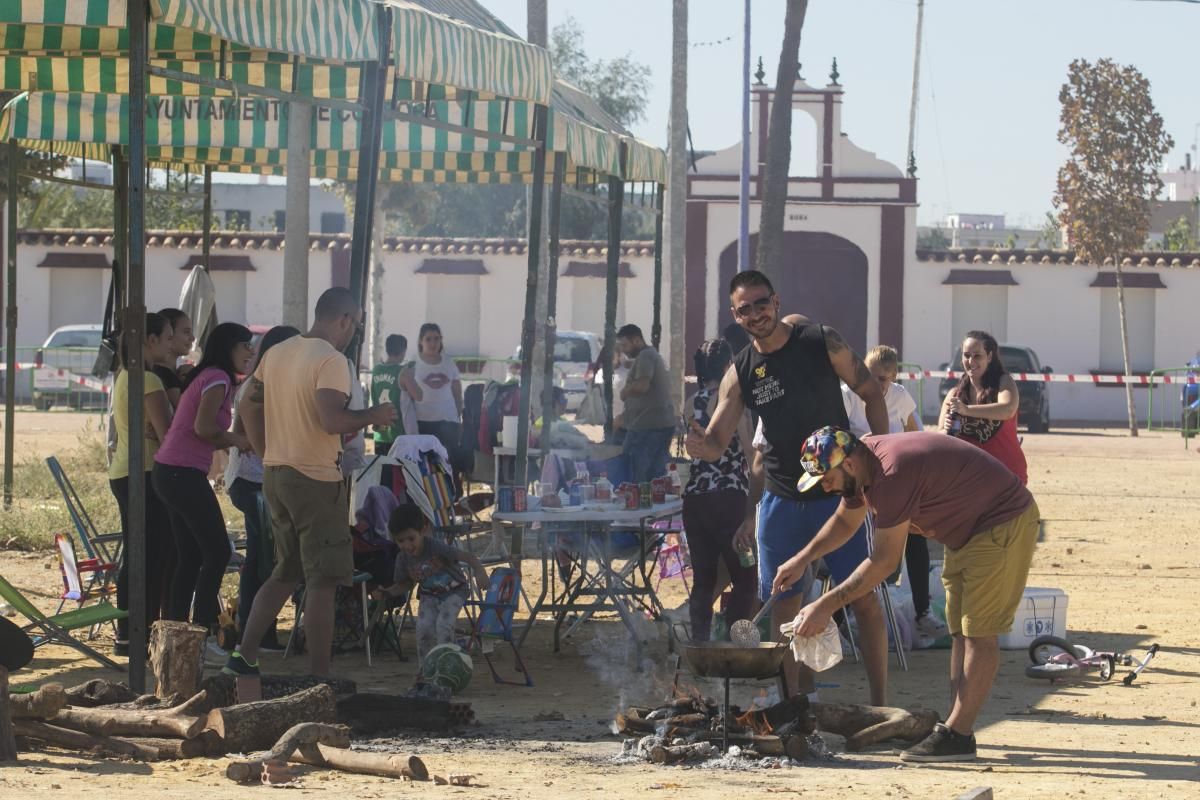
{"x": 795, "y": 391}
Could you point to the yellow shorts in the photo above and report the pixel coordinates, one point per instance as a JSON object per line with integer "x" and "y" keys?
{"x": 985, "y": 578}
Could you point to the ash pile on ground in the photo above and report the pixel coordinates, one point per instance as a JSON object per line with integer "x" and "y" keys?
{"x": 637, "y": 751}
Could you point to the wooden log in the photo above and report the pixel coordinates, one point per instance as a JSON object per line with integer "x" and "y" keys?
{"x": 221, "y": 689}
{"x": 8, "y": 741}
{"x": 385, "y": 764}
{"x": 686, "y": 721}
{"x": 99, "y": 692}
{"x": 257, "y": 726}
{"x": 86, "y": 742}
{"x": 247, "y": 770}
{"x": 864, "y": 726}
{"x": 42, "y": 704}
{"x": 370, "y": 713}
{"x": 167, "y": 722}
{"x": 674, "y": 754}
{"x": 176, "y": 657}
{"x": 630, "y": 722}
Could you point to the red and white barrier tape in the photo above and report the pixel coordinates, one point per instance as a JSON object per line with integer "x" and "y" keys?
{"x": 1054, "y": 377}
{"x": 80, "y": 380}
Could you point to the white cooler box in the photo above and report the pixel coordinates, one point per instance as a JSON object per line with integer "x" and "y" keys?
{"x": 1042, "y": 612}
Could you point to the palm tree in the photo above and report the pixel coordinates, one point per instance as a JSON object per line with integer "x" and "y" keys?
{"x": 779, "y": 141}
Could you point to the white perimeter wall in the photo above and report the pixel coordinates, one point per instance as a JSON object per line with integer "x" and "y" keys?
{"x": 1054, "y": 310}
{"x": 501, "y": 292}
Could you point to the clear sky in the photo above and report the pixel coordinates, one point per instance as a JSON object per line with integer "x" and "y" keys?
{"x": 990, "y": 76}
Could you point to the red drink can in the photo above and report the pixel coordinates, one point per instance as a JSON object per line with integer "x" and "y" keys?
{"x": 658, "y": 490}
{"x": 519, "y": 502}
{"x": 632, "y": 496}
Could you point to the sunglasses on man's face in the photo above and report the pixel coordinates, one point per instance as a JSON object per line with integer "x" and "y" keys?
{"x": 747, "y": 309}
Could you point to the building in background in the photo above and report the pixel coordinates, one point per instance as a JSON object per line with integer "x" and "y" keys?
{"x": 246, "y": 202}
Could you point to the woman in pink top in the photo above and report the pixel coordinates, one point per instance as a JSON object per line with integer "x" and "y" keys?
{"x": 982, "y": 409}
{"x": 200, "y": 426}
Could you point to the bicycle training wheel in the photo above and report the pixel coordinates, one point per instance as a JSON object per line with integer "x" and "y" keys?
{"x": 1107, "y": 667}
{"x": 1044, "y": 648}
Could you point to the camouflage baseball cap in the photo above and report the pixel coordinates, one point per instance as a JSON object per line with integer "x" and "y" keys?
{"x": 823, "y": 451}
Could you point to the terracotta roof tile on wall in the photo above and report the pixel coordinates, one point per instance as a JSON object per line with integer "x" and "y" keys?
{"x": 271, "y": 240}
{"x": 1006, "y": 256}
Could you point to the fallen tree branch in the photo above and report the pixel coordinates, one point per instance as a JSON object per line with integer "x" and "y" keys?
{"x": 168, "y": 722}
{"x": 246, "y": 770}
{"x": 86, "y": 742}
{"x": 99, "y": 692}
{"x": 42, "y": 704}
{"x": 385, "y": 764}
{"x": 864, "y": 726}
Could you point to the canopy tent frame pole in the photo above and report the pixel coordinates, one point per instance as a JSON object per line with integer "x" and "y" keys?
{"x": 206, "y": 220}
{"x": 549, "y": 413}
{"x": 10, "y": 322}
{"x": 541, "y": 116}
{"x": 656, "y": 326}
{"x": 120, "y": 187}
{"x": 616, "y": 201}
{"x": 374, "y": 89}
{"x": 135, "y": 323}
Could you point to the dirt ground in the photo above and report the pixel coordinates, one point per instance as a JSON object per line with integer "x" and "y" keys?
{"x": 1121, "y": 529}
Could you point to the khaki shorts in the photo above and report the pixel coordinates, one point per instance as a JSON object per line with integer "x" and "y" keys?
{"x": 985, "y": 578}
{"x": 309, "y": 520}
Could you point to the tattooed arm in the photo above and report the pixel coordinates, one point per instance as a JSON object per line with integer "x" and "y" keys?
{"x": 888, "y": 547}
{"x": 250, "y": 415}
{"x": 854, "y": 373}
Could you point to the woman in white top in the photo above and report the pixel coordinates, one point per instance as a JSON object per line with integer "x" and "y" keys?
{"x": 439, "y": 411}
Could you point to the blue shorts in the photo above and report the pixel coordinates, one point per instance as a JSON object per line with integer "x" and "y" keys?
{"x": 786, "y": 526}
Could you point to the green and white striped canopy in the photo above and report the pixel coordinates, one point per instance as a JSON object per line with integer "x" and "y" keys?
{"x": 427, "y": 46}
{"x": 242, "y": 132}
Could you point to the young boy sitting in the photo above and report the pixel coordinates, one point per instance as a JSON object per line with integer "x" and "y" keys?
{"x": 434, "y": 567}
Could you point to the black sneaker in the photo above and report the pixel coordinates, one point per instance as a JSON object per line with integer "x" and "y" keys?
{"x": 942, "y": 745}
{"x": 236, "y": 665}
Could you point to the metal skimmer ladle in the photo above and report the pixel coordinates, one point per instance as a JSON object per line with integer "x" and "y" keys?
{"x": 745, "y": 632}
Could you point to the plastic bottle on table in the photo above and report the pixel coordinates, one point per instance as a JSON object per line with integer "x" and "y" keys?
{"x": 676, "y": 483}
{"x": 604, "y": 488}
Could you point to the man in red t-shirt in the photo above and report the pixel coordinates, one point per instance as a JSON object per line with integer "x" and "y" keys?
{"x": 953, "y": 493}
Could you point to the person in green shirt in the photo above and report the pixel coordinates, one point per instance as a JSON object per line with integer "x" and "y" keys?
{"x": 387, "y": 381}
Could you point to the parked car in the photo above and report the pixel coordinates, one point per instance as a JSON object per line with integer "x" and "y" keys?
{"x": 1034, "y": 411}
{"x": 69, "y": 350}
{"x": 574, "y": 354}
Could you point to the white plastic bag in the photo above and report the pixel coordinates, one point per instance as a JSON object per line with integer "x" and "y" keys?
{"x": 818, "y": 653}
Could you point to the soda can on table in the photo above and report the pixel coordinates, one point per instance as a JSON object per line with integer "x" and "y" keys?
{"x": 576, "y": 494}
{"x": 504, "y": 499}
{"x": 630, "y": 491}
{"x": 646, "y": 495}
{"x": 658, "y": 490}
{"x": 519, "y": 500}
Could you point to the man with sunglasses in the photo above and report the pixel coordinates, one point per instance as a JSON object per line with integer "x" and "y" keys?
{"x": 790, "y": 377}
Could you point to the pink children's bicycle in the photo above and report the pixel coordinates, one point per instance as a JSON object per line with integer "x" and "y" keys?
{"x": 1057, "y": 659}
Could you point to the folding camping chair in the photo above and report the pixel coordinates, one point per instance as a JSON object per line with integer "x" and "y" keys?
{"x": 71, "y": 569}
{"x": 349, "y": 621}
{"x": 495, "y": 620}
{"x": 104, "y": 548}
{"x": 57, "y": 628}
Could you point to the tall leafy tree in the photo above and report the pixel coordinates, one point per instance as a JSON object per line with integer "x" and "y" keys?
{"x": 1116, "y": 142}
{"x": 620, "y": 85}
{"x": 779, "y": 142}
